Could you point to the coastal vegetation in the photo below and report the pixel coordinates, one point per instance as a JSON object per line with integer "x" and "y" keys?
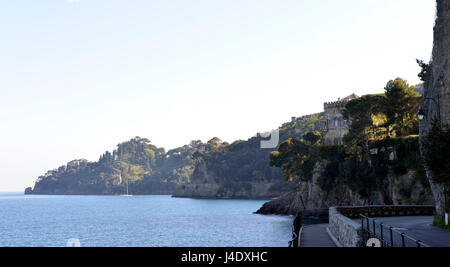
{"x": 436, "y": 154}
{"x": 382, "y": 141}
{"x": 439, "y": 222}
{"x": 241, "y": 169}
{"x": 144, "y": 166}
{"x": 149, "y": 169}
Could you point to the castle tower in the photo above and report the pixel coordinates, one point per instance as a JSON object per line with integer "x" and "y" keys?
{"x": 335, "y": 126}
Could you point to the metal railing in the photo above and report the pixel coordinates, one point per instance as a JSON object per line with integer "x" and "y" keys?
{"x": 296, "y": 231}
{"x": 295, "y": 240}
{"x": 388, "y": 236}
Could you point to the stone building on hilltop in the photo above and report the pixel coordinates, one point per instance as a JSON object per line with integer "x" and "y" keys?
{"x": 334, "y": 125}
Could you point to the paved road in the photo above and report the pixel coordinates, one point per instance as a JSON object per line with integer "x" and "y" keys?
{"x": 316, "y": 236}
{"x": 418, "y": 227}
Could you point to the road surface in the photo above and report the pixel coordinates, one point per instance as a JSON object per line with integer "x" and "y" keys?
{"x": 316, "y": 236}
{"x": 418, "y": 227}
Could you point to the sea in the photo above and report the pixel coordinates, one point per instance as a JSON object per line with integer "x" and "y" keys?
{"x": 137, "y": 221}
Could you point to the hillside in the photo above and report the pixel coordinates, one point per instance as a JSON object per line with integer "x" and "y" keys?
{"x": 378, "y": 163}
{"x": 392, "y": 174}
{"x": 233, "y": 169}
{"x": 147, "y": 168}
{"x": 241, "y": 169}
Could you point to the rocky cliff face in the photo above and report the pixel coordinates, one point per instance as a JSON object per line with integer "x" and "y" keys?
{"x": 205, "y": 184}
{"x": 309, "y": 199}
{"x": 406, "y": 190}
{"x": 238, "y": 191}
{"x": 437, "y": 88}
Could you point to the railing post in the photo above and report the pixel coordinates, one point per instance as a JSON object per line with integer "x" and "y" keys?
{"x": 368, "y": 227}
{"x": 392, "y": 237}
{"x": 367, "y": 233}
{"x": 297, "y": 225}
{"x": 362, "y": 228}
{"x": 374, "y": 229}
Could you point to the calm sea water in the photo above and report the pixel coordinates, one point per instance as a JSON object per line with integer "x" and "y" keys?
{"x": 137, "y": 221}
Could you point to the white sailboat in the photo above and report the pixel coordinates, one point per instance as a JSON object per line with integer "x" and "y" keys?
{"x": 127, "y": 195}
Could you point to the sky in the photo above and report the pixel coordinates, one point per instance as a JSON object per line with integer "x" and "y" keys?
{"x": 77, "y": 77}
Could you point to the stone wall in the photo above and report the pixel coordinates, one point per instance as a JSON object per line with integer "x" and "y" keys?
{"x": 347, "y": 232}
{"x": 386, "y": 211}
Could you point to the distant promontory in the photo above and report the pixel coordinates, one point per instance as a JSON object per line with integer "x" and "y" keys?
{"x": 214, "y": 169}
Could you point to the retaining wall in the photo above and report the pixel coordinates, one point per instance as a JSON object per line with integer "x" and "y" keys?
{"x": 348, "y": 232}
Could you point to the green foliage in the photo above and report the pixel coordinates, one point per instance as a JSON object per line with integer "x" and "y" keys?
{"x": 364, "y": 175}
{"x": 436, "y": 153}
{"x": 423, "y": 70}
{"x": 439, "y": 222}
{"x": 215, "y": 144}
{"x": 312, "y": 138}
{"x": 332, "y": 153}
{"x": 150, "y": 169}
{"x": 361, "y": 112}
{"x": 365, "y": 160}
{"x": 328, "y": 179}
{"x": 290, "y": 156}
{"x": 244, "y": 162}
{"x": 308, "y": 166}
{"x": 407, "y": 150}
{"x": 436, "y": 156}
{"x": 359, "y": 175}
{"x": 377, "y": 117}
{"x": 401, "y": 107}
{"x": 146, "y": 167}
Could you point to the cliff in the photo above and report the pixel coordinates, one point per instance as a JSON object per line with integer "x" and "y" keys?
{"x": 238, "y": 191}
{"x": 241, "y": 169}
{"x": 392, "y": 175}
{"x": 309, "y": 198}
{"x": 436, "y": 105}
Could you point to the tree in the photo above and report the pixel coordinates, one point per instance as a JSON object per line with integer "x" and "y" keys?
{"x": 195, "y": 143}
{"x": 214, "y": 144}
{"x": 361, "y": 112}
{"x": 401, "y": 107}
{"x": 436, "y": 154}
{"x": 423, "y": 70}
{"x": 290, "y": 156}
{"x": 313, "y": 138}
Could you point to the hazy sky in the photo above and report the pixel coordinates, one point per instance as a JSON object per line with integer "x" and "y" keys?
{"x": 78, "y": 77}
